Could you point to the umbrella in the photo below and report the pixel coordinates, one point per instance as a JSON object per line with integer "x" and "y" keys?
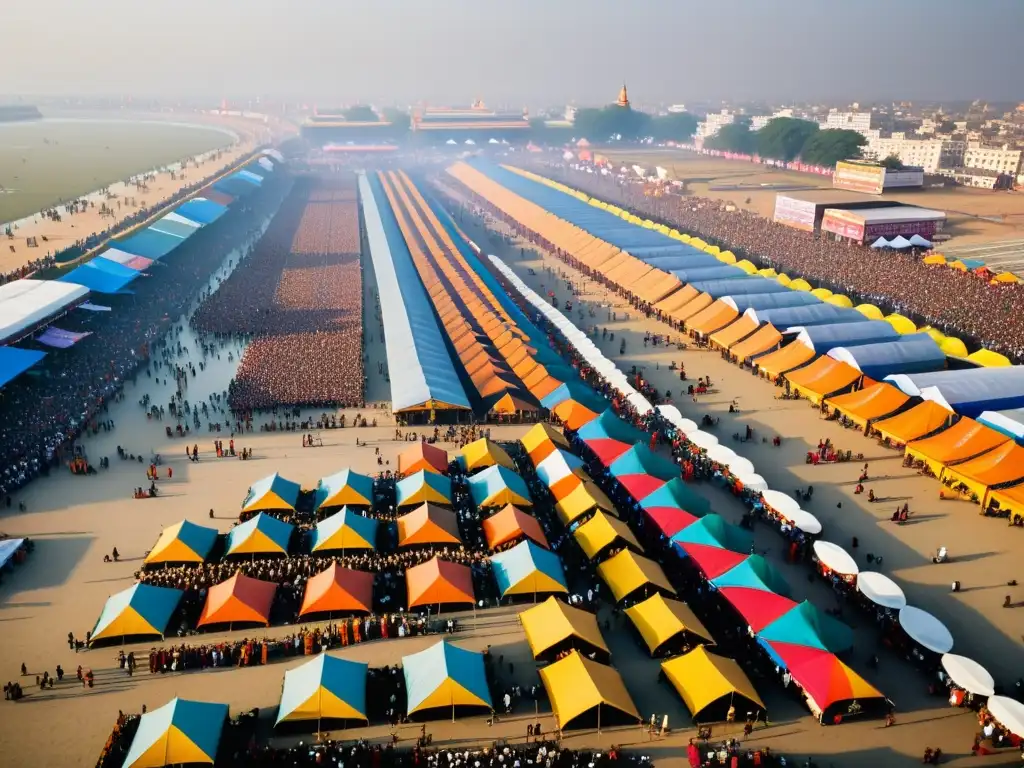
{"x": 968, "y": 674}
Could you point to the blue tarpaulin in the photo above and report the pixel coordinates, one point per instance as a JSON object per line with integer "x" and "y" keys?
{"x": 719, "y": 272}
{"x": 14, "y": 362}
{"x": 234, "y": 186}
{"x": 149, "y": 243}
{"x": 1010, "y": 422}
{"x": 772, "y": 300}
{"x": 811, "y": 314}
{"x": 111, "y": 267}
{"x": 739, "y": 286}
{"x": 969, "y": 392}
{"x": 169, "y": 226}
{"x": 916, "y": 353}
{"x": 201, "y": 210}
{"x": 688, "y": 261}
{"x": 822, "y": 338}
{"x": 96, "y": 279}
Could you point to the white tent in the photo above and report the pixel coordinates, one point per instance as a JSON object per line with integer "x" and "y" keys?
{"x": 881, "y": 590}
{"x": 780, "y": 502}
{"x": 804, "y": 521}
{"x": 880, "y": 243}
{"x": 835, "y": 558}
{"x": 1009, "y": 713}
{"x": 753, "y": 481}
{"x": 968, "y": 674}
{"x": 925, "y": 630}
{"x": 920, "y": 242}
{"x": 722, "y": 454}
{"x": 899, "y": 242}
{"x": 702, "y": 439}
{"x": 741, "y": 466}
{"x": 638, "y": 401}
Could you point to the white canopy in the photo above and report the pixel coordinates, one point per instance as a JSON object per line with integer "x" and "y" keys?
{"x": 753, "y": 481}
{"x": 638, "y": 401}
{"x": 926, "y": 630}
{"x": 741, "y": 466}
{"x": 722, "y": 454}
{"x": 968, "y": 674}
{"x": 1009, "y": 713}
{"x": 702, "y": 439}
{"x": 804, "y": 520}
{"x": 25, "y": 303}
{"x": 780, "y": 502}
{"x": 881, "y": 590}
{"x": 899, "y": 242}
{"x": 919, "y": 241}
{"x": 835, "y": 558}
{"x": 880, "y": 243}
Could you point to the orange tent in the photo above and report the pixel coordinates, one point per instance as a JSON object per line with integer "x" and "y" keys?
{"x": 712, "y": 318}
{"x": 677, "y": 300}
{"x": 874, "y": 402}
{"x": 784, "y": 360}
{"x": 338, "y": 590}
{"x": 541, "y": 451}
{"x": 763, "y": 339}
{"x": 565, "y": 486}
{"x": 428, "y": 524}
{"x": 572, "y": 414}
{"x": 511, "y": 524}
{"x": 439, "y": 582}
{"x": 239, "y": 600}
{"x": 699, "y": 303}
{"x": 733, "y": 333}
{"x": 962, "y": 441}
{"x": 924, "y": 418}
{"x": 1000, "y": 466}
{"x": 423, "y": 456}
{"x": 824, "y": 377}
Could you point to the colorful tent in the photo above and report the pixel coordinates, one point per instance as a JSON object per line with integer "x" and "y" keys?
{"x": 560, "y": 463}
{"x": 344, "y": 488}
{"x": 427, "y": 525}
{"x": 423, "y": 487}
{"x": 483, "y": 453}
{"x": 239, "y": 600}
{"x": 609, "y": 437}
{"x": 511, "y": 524}
{"x": 576, "y": 685}
{"x": 923, "y": 419}
{"x": 338, "y": 590}
{"x": 962, "y": 441}
{"x": 714, "y": 545}
{"x": 659, "y": 619}
{"x": 1000, "y": 466}
{"x": 439, "y": 582}
{"x": 343, "y": 530}
{"x": 575, "y": 414}
{"x": 140, "y": 610}
{"x": 670, "y": 520}
{"x": 627, "y": 572}
{"x": 553, "y": 626}
{"x": 543, "y": 433}
{"x": 825, "y": 376}
{"x": 528, "y": 569}
{"x": 178, "y": 733}
{"x": 324, "y": 688}
{"x": 806, "y": 625}
{"x": 783, "y": 360}
{"x": 764, "y": 339}
{"x": 182, "y": 542}
{"x": 272, "y": 493}
{"x": 641, "y": 471}
{"x": 824, "y": 678}
{"x": 497, "y": 486}
{"x": 756, "y": 590}
{"x": 676, "y": 494}
{"x": 586, "y": 496}
{"x": 710, "y": 684}
{"x": 423, "y": 457}
{"x": 1009, "y": 500}
{"x": 866, "y": 405}
{"x": 445, "y": 675}
{"x": 602, "y": 531}
{"x": 262, "y": 535}
{"x": 574, "y": 390}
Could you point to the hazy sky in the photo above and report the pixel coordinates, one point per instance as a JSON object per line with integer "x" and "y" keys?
{"x": 518, "y": 52}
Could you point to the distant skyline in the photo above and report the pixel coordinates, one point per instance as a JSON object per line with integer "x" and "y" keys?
{"x": 531, "y": 52}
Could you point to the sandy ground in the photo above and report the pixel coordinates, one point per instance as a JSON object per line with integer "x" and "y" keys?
{"x": 973, "y": 215}
{"x": 76, "y": 520}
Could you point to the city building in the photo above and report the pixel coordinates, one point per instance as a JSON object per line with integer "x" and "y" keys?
{"x": 713, "y": 123}
{"x": 930, "y": 154}
{"x": 757, "y": 122}
{"x": 848, "y": 121}
{"x": 1002, "y": 159}
{"x": 980, "y": 178}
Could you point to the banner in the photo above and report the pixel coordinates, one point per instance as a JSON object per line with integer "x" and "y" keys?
{"x": 59, "y": 338}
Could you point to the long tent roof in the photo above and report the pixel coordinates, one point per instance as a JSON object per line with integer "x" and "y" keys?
{"x": 924, "y": 418}
{"x": 1009, "y": 422}
{"x": 916, "y": 353}
{"x": 1003, "y": 465}
{"x": 141, "y": 609}
{"x": 962, "y": 441}
{"x": 658, "y": 619}
{"x": 677, "y": 494}
{"x": 437, "y": 582}
{"x": 183, "y": 542}
{"x": 528, "y": 569}
{"x": 807, "y": 625}
{"x": 822, "y": 338}
{"x": 415, "y": 348}
{"x": 805, "y": 315}
{"x": 873, "y": 402}
{"x": 552, "y": 622}
{"x": 967, "y": 391}
{"x": 576, "y": 685}
{"x": 714, "y": 545}
{"x": 702, "y": 678}
{"x": 25, "y": 303}
{"x": 541, "y": 433}
{"x": 775, "y": 300}
{"x": 825, "y": 678}
{"x": 324, "y": 688}
{"x": 240, "y": 599}
{"x": 179, "y": 733}
{"x": 445, "y": 675}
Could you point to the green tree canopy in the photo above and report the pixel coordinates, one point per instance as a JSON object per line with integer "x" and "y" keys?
{"x": 735, "y": 137}
{"x": 784, "y": 137}
{"x": 676, "y": 126}
{"x": 831, "y": 146}
{"x": 601, "y": 124}
{"x": 360, "y": 113}
{"x": 892, "y": 162}
{"x": 399, "y": 120}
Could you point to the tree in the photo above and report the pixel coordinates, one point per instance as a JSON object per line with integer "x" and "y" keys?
{"x": 735, "y": 137}
{"x": 360, "y": 113}
{"x": 893, "y": 163}
{"x": 602, "y": 124}
{"x": 826, "y": 148}
{"x": 784, "y": 137}
{"x": 677, "y": 126}
{"x": 399, "y": 120}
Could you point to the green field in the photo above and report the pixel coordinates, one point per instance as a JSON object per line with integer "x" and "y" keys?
{"x": 42, "y": 163}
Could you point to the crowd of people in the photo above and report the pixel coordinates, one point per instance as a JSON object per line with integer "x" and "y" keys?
{"x": 962, "y": 304}
{"x": 26, "y": 270}
{"x": 298, "y": 299}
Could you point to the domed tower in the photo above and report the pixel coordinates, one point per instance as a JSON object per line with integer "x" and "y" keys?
{"x": 623, "y": 97}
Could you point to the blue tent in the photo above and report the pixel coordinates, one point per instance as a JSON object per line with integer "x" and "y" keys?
{"x": 528, "y": 569}
{"x": 810, "y": 314}
{"x": 778, "y": 300}
{"x": 140, "y": 610}
{"x": 699, "y": 260}
{"x": 179, "y": 733}
{"x": 201, "y": 210}
{"x": 445, "y": 675}
{"x": 719, "y": 272}
{"x": 914, "y": 353}
{"x": 96, "y": 279}
{"x": 325, "y": 688}
{"x": 1009, "y": 422}
{"x": 14, "y": 362}
{"x": 171, "y": 226}
{"x": 739, "y": 286}
{"x": 148, "y": 242}
{"x": 822, "y": 338}
{"x": 234, "y": 186}
{"x": 111, "y": 267}
{"x": 969, "y": 392}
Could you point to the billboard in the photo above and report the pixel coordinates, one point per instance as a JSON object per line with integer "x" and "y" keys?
{"x": 889, "y": 230}
{"x": 908, "y": 177}
{"x": 798, "y": 214}
{"x": 868, "y": 179}
{"x": 843, "y": 224}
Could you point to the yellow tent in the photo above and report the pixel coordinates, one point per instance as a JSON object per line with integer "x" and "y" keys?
{"x": 602, "y": 531}
{"x": 747, "y": 266}
{"x": 709, "y": 684}
{"x": 902, "y": 325}
{"x": 1006, "y": 277}
{"x": 183, "y": 542}
{"x": 783, "y": 279}
{"x": 714, "y": 250}
{"x": 583, "y": 498}
{"x": 483, "y": 453}
{"x": 870, "y": 311}
{"x": 959, "y": 265}
{"x": 576, "y": 685}
{"x": 659, "y": 619}
{"x": 800, "y": 285}
{"x": 962, "y": 441}
{"x": 783, "y": 360}
{"x": 542, "y": 433}
{"x": 727, "y": 257}
{"x": 767, "y": 272}
{"x": 951, "y": 346}
{"x": 935, "y": 333}
{"x": 553, "y": 624}
{"x": 1000, "y": 466}
{"x": 822, "y": 293}
{"x": 1009, "y": 500}
{"x": 935, "y": 258}
{"x": 627, "y": 572}
{"x": 923, "y": 418}
{"x": 989, "y": 359}
{"x": 839, "y": 300}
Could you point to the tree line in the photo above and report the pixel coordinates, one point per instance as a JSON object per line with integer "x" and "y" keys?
{"x": 788, "y": 139}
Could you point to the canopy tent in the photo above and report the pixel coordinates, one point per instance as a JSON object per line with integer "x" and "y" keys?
{"x": 338, "y": 590}
{"x": 641, "y": 471}
{"x": 574, "y": 414}
{"x": 541, "y": 433}
{"x": 1009, "y": 422}
{"x": 756, "y": 590}
{"x": 272, "y": 493}
{"x": 239, "y": 600}
{"x": 511, "y": 524}
{"x": 660, "y": 620}
{"x": 345, "y": 529}
{"x": 201, "y": 210}
{"x": 1003, "y": 465}
{"x": 923, "y": 419}
{"x": 670, "y": 520}
{"x": 439, "y": 582}
{"x": 559, "y": 464}
{"x": 182, "y": 542}
{"x": 603, "y": 531}
{"x": 803, "y": 316}
{"x": 15, "y": 361}
{"x": 148, "y": 242}
{"x": 783, "y": 360}
{"x": 734, "y": 332}
{"x": 822, "y": 338}
{"x": 483, "y": 453}
{"x": 926, "y": 630}
{"x": 422, "y": 457}
{"x": 671, "y": 414}
{"x": 609, "y": 437}
{"x": 826, "y": 680}
{"x": 868, "y": 404}
{"x": 324, "y": 688}
{"x": 824, "y": 377}
{"x": 553, "y": 626}
{"x": 26, "y": 304}
{"x": 342, "y": 489}
{"x": 739, "y": 286}
{"x": 423, "y": 487}
{"x": 777, "y": 300}
{"x": 989, "y": 359}
{"x": 139, "y": 611}
{"x": 445, "y": 675}
{"x": 968, "y": 391}
{"x": 627, "y": 572}
{"x": 585, "y": 497}
{"x": 752, "y": 481}
{"x": 676, "y": 494}
{"x": 710, "y": 684}
{"x": 915, "y": 353}
{"x": 1008, "y": 712}
{"x": 497, "y": 486}
{"x": 94, "y": 279}
{"x": 962, "y": 441}
{"x": 428, "y": 524}
{"x": 835, "y": 558}
{"x": 577, "y": 391}
{"x": 789, "y": 510}
{"x": 261, "y": 535}
{"x": 528, "y": 569}
{"x": 1008, "y": 500}
{"x": 576, "y": 685}
{"x": 180, "y": 732}
{"x": 714, "y": 545}
{"x": 881, "y": 590}
{"x": 764, "y": 339}
{"x": 705, "y": 272}
{"x": 968, "y": 674}
{"x": 806, "y": 625}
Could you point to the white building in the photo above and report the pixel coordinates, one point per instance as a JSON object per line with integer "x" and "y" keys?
{"x": 929, "y": 154}
{"x": 757, "y": 122}
{"x": 848, "y": 121}
{"x": 999, "y": 159}
{"x": 713, "y": 123}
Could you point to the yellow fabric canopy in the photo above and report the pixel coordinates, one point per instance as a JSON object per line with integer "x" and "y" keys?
{"x": 923, "y": 418}
{"x": 824, "y": 377}
{"x": 541, "y": 433}
{"x": 865, "y": 405}
{"x": 870, "y": 311}
{"x": 658, "y": 619}
{"x": 733, "y": 333}
{"x": 962, "y": 441}
{"x": 602, "y": 530}
{"x": 989, "y": 359}
{"x": 935, "y": 258}
{"x": 800, "y": 285}
{"x": 553, "y": 622}
{"x": 627, "y": 572}
{"x": 999, "y": 466}
{"x": 953, "y": 347}
{"x": 901, "y": 324}
{"x": 576, "y": 685}
{"x": 839, "y": 300}
{"x": 763, "y": 339}
{"x": 585, "y": 497}
{"x": 702, "y": 678}
{"x": 781, "y": 361}
{"x": 483, "y": 453}
{"x": 1010, "y": 500}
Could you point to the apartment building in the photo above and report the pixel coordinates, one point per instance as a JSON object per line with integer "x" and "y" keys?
{"x": 848, "y": 121}
{"x": 929, "y": 154}
{"x": 1002, "y": 159}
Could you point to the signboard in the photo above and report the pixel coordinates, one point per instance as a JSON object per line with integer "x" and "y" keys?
{"x": 888, "y": 230}
{"x": 868, "y": 179}
{"x": 908, "y": 177}
{"x": 839, "y": 223}
{"x": 798, "y": 214}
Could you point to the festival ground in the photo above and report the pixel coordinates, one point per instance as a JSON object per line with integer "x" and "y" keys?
{"x": 76, "y": 520}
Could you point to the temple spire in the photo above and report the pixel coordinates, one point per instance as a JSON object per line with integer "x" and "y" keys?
{"x": 623, "y": 97}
